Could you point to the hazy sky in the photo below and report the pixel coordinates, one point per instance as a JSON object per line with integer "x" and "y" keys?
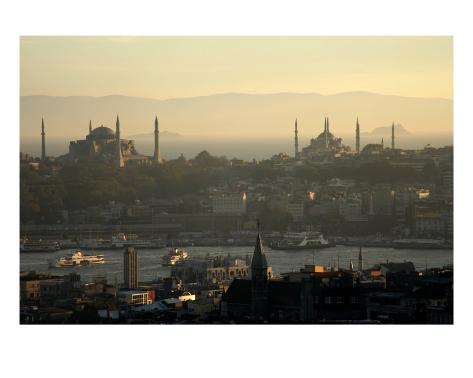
{"x": 167, "y": 67}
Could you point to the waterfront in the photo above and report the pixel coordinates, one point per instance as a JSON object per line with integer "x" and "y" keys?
{"x": 282, "y": 261}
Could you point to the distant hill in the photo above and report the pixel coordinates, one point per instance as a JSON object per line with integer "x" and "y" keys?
{"x": 235, "y": 115}
{"x": 399, "y": 130}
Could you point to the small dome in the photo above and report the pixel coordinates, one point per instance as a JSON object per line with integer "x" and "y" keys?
{"x": 102, "y": 132}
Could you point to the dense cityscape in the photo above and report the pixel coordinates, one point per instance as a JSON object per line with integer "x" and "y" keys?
{"x": 104, "y": 195}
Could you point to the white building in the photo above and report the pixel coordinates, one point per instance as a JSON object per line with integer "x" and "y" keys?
{"x": 229, "y": 203}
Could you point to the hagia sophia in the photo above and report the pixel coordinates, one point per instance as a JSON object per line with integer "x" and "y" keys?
{"x": 103, "y": 142}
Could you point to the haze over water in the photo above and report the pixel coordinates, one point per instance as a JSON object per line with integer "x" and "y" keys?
{"x": 281, "y": 261}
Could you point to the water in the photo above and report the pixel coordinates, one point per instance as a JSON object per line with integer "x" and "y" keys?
{"x": 150, "y": 268}
{"x": 246, "y": 149}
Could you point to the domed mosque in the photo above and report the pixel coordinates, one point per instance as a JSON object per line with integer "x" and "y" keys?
{"x": 102, "y": 143}
{"x": 325, "y": 144}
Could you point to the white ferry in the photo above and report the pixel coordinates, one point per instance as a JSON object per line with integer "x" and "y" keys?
{"x": 174, "y": 256}
{"x": 79, "y": 259}
{"x": 301, "y": 240}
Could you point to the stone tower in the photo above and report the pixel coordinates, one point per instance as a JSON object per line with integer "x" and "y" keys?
{"x": 357, "y": 136}
{"x": 130, "y": 268}
{"x": 118, "y": 146}
{"x": 392, "y": 137}
{"x": 156, "y": 156}
{"x": 259, "y": 281}
{"x": 296, "y": 142}
{"x": 90, "y": 127}
{"x": 360, "y": 260}
{"x": 43, "y": 141}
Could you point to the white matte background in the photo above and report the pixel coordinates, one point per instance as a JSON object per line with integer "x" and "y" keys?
{"x": 236, "y": 351}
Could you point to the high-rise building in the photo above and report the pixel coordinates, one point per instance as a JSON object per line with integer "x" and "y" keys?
{"x": 130, "y": 268}
{"x": 118, "y": 154}
{"x": 43, "y": 141}
{"x": 357, "y": 136}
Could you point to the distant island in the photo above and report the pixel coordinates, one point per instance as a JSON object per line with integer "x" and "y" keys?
{"x": 163, "y": 134}
{"x": 386, "y": 130}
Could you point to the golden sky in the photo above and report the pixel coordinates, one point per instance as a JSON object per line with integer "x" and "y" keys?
{"x": 169, "y": 67}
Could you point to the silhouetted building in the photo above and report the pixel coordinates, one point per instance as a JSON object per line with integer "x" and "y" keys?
{"x": 130, "y": 267}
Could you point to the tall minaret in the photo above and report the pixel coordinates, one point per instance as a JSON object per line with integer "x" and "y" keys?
{"x": 90, "y": 127}
{"x": 259, "y": 280}
{"x": 118, "y": 153}
{"x": 325, "y": 132}
{"x": 392, "y": 136}
{"x": 360, "y": 260}
{"x": 156, "y": 157}
{"x": 296, "y": 142}
{"x": 382, "y": 143}
{"x": 357, "y": 136}
{"x": 43, "y": 141}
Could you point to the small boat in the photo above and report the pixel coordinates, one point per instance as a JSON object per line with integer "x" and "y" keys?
{"x": 175, "y": 255}
{"x": 78, "y": 259}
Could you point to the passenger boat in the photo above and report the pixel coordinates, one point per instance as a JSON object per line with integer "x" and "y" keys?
{"x": 78, "y": 259}
{"x": 39, "y": 245}
{"x": 174, "y": 256}
{"x": 121, "y": 240}
{"x": 302, "y": 240}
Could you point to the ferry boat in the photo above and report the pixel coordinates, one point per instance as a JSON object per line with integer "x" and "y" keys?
{"x": 301, "y": 240}
{"x": 121, "y": 240}
{"x": 78, "y": 259}
{"x": 174, "y": 256}
{"x": 39, "y": 245}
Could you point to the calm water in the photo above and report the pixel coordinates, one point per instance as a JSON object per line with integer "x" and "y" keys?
{"x": 149, "y": 260}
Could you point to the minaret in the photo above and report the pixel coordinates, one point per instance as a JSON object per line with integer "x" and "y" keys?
{"x": 90, "y": 127}
{"x": 325, "y": 132}
{"x": 357, "y": 136}
{"x": 259, "y": 280}
{"x": 360, "y": 260}
{"x": 382, "y": 143}
{"x": 118, "y": 153}
{"x": 296, "y": 142}
{"x": 392, "y": 136}
{"x": 43, "y": 141}
{"x": 156, "y": 157}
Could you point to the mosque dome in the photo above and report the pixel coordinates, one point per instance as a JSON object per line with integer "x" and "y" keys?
{"x": 102, "y": 132}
